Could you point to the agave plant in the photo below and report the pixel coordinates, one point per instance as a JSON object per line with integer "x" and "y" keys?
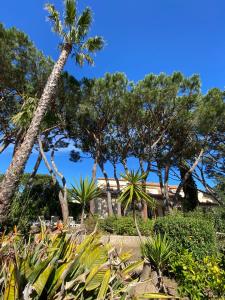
{"x": 157, "y": 250}
{"x": 84, "y": 192}
{"x": 134, "y": 193}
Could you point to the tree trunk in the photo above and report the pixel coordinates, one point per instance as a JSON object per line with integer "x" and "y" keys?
{"x": 144, "y": 212}
{"x": 119, "y": 212}
{"x": 186, "y": 176}
{"x": 166, "y": 188}
{"x": 63, "y": 193}
{"x": 94, "y": 171}
{"x": 46, "y": 161}
{"x": 12, "y": 176}
{"x": 124, "y": 163}
{"x": 109, "y": 198}
{"x": 82, "y": 215}
{"x": 35, "y": 169}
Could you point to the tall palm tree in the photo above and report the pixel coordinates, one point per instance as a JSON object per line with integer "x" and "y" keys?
{"x": 133, "y": 194}
{"x": 83, "y": 193}
{"x": 73, "y": 31}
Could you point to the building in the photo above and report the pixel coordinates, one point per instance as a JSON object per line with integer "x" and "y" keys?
{"x": 152, "y": 188}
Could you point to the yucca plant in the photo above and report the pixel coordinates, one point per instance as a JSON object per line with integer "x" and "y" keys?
{"x": 83, "y": 193}
{"x": 157, "y": 250}
{"x": 133, "y": 193}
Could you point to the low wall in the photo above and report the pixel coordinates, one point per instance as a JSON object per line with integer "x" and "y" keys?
{"x": 124, "y": 243}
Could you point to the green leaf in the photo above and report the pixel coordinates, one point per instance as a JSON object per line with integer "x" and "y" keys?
{"x": 104, "y": 286}
{"x": 11, "y": 291}
{"x": 41, "y": 281}
{"x": 132, "y": 267}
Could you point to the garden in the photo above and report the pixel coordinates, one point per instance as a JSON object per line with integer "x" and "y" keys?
{"x": 156, "y": 228}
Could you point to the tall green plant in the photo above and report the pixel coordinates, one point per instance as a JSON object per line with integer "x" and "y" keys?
{"x": 83, "y": 193}
{"x": 133, "y": 193}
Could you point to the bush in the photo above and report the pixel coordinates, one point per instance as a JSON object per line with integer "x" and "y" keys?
{"x": 199, "y": 280}
{"x": 187, "y": 233}
{"x": 215, "y": 215}
{"x": 126, "y": 226}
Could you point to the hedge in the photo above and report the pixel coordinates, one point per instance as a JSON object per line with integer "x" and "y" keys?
{"x": 188, "y": 233}
{"x": 126, "y": 226}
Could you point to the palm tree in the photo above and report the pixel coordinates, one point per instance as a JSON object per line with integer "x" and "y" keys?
{"x": 133, "y": 194}
{"x": 73, "y": 31}
{"x": 83, "y": 193}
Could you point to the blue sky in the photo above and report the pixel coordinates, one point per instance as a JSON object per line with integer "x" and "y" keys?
{"x": 145, "y": 36}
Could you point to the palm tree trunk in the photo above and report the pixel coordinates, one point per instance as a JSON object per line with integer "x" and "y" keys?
{"x": 12, "y": 176}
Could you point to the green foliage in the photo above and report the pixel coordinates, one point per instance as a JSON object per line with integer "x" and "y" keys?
{"x": 41, "y": 197}
{"x": 134, "y": 193}
{"x": 199, "y": 280}
{"x": 216, "y": 215}
{"x": 158, "y": 250}
{"x": 126, "y": 226}
{"x": 73, "y": 30}
{"x": 58, "y": 266}
{"x": 85, "y": 191}
{"x": 195, "y": 235}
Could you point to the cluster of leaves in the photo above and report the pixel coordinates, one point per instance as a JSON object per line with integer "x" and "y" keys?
{"x": 126, "y": 226}
{"x": 199, "y": 279}
{"x": 196, "y": 235}
{"x": 57, "y": 266}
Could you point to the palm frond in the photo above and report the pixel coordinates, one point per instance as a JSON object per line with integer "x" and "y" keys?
{"x": 84, "y": 22}
{"x": 70, "y": 13}
{"x": 157, "y": 250}
{"x": 80, "y": 58}
{"x": 89, "y": 59}
{"x": 85, "y": 191}
{"x": 134, "y": 191}
{"x": 94, "y": 44}
{"x": 54, "y": 17}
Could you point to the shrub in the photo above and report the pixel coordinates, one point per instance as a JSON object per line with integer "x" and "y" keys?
{"x": 199, "y": 280}
{"x": 126, "y": 226}
{"x": 157, "y": 250}
{"x": 59, "y": 266}
{"x": 187, "y": 233}
{"x": 215, "y": 215}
